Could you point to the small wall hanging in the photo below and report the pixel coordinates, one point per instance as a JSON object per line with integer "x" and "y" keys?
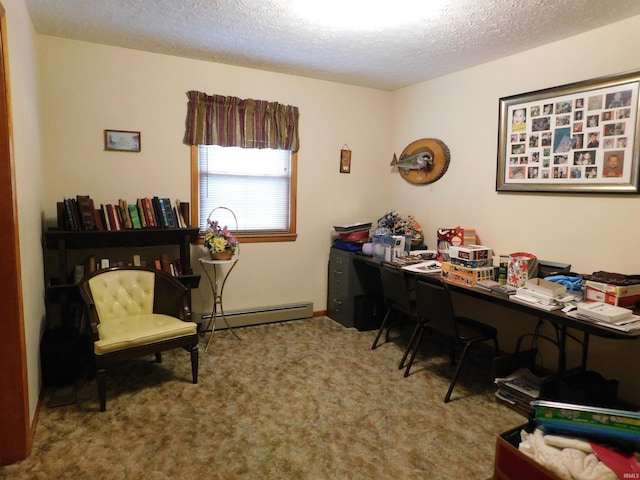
{"x": 345, "y": 159}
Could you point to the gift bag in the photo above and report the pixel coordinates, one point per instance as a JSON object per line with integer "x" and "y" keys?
{"x": 522, "y": 266}
{"x": 446, "y": 238}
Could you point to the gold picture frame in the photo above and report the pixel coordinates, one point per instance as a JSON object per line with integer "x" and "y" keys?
{"x": 576, "y": 138}
{"x": 122, "y": 141}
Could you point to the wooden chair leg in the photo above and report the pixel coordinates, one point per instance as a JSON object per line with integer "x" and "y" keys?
{"x": 101, "y": 382}
{"x": 194, "y": 363}
{"x": 382, "y": 327}
{"x": 416, "y": 345}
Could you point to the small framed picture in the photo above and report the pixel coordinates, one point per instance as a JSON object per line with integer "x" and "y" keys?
{"x": 345, "y": 161}
{"x": 121, "y": 141}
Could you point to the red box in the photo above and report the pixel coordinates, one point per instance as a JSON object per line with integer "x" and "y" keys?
{"x": 511, "y": 464}
{"x": 622, "y": 296}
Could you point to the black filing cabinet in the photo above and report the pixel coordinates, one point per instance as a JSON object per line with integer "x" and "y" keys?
{"x": 354, "y": 293}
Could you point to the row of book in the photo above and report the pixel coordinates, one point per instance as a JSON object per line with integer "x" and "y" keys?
{"x": 91, "y": 264}
{"x": 81, "y": 213}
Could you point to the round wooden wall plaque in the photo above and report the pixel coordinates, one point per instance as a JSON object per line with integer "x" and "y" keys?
{"x": 430, "y": 173}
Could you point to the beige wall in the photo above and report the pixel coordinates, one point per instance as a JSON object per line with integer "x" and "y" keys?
{"x": 591, "y": 232}
{"x": 89, "y": 88}
{"x": 462, "y": 110}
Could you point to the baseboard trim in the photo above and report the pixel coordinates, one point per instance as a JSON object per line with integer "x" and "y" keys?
{"x": 257, "y": 316}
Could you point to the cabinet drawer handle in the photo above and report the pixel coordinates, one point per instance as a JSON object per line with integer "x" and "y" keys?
{"x": 337, "y": 305}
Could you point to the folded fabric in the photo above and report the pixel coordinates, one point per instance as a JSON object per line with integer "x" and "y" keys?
{"x": 544, "y": 454}
{"x": 561, "y": 441}
{"x": 572, "y": 283}
{"x": 569, "y": 458}
{"x": 613, "y": 278}
{"x": 585, "y": 466}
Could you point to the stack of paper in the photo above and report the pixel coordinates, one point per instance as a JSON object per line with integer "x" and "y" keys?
{"x": 430, "y": 266}
{"x": 608, "y": 315}
{"x": 520, "y": 388}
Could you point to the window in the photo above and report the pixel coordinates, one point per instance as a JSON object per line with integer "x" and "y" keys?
{"x": 258, "y": 185}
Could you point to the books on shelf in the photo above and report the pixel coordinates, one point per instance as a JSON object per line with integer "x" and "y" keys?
{"x": 135, "y": 216}
{"x": 182, "y": 210}
{"x": 81, "y": 213}
{"x": 123, "y": 209}
{"x": 141, "y": 214}
{"x": 85, "y": 211}
{"x": 69, "y": 222}
{"x": 91, "y": 264}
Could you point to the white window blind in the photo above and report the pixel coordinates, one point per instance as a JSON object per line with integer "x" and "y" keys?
{"x": 254, "y": 183}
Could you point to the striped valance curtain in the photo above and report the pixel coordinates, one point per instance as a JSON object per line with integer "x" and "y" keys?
{"x": 234, "y": 122}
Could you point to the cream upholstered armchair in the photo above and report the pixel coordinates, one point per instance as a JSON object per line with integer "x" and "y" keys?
{"x": 137, "y": 311}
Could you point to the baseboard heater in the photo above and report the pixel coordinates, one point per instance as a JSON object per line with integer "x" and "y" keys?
{"x": 257, "y": 316}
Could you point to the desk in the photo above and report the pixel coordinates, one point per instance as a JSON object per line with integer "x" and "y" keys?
{"x": 560, "y": 321}
{"x": 217, "y": 278}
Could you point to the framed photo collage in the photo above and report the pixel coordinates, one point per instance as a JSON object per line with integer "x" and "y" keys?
{"x": 581, "y": 137}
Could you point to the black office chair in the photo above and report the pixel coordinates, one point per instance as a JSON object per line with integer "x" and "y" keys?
{"x": 399, "y": 298}
{"x": 435, "y": 311}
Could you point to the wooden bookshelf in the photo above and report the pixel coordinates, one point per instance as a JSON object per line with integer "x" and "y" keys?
{"x": 60, "y": 288}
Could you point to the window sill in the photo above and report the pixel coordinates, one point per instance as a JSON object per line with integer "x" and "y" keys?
{"x": 276, "y": 237}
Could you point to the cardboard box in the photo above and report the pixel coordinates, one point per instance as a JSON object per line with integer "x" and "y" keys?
{"x": 470, "y": 252}
{"x": 465, "y": 276}
{"x": 593, "y": 295}
{"x": 511, "y": 464}
{"x": 603, "y": 311}
{"x": 545, "y": 287}
{"x": 618, "y": 290}
{"x": 472, "y": 263}
{"x": 619, "y": 295}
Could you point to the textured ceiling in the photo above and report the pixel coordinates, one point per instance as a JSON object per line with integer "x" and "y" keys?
{"x": 270, "y": 35}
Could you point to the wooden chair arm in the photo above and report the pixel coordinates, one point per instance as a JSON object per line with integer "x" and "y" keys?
{"x": 171, "y": 297}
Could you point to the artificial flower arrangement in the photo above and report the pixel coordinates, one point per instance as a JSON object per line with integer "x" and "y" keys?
{"x": 392, "y": 223}
{"x": 217, "y": 239}
{"x": 414, "y": 228}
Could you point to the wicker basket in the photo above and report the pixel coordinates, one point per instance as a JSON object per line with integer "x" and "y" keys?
{"x": 226, "y": 254}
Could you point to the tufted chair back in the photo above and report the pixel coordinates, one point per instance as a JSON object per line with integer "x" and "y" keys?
{"x": 121, "y": 293}
{"x": 136, "y": 311}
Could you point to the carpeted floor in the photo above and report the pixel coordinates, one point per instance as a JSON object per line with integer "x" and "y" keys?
{"x": 306, "y": 399}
